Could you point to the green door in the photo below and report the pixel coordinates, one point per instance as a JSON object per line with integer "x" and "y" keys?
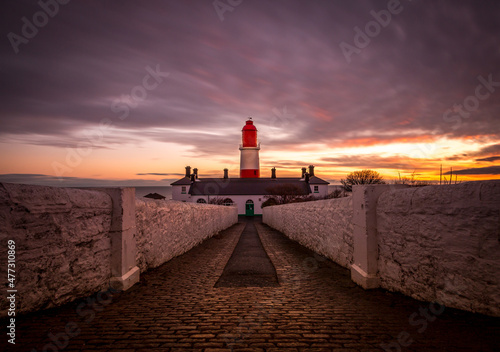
{"x": 249, "y": 209}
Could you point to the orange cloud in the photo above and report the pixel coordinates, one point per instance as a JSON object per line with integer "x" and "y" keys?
{"x": 383, "y": 140}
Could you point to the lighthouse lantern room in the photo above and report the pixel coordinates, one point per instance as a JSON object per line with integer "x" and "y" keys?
{"x": 249, "y": 158}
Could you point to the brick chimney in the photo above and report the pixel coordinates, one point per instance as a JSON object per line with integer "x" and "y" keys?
{"x": 195, "y": 172}
{"x": 306, "y": 177}
{"x": 188, "y": 171}
{"x": 311, "y": 170}
{"x": 303, "y": 172}
{"x": 226, "y": 173}
{"x": 273, "y": 172}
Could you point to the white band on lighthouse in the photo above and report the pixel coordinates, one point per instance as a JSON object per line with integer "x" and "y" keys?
{"x": 249, "y": 162}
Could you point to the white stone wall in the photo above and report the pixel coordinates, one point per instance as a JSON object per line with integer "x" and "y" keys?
{"x": 434, "y": 243}
{"x": 165, "y": 229}
{"x": 325, "y": 226}
{"x": 442, "y": 243}
{"x": 62, "y": 243}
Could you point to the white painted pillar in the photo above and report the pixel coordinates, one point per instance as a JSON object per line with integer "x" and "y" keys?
{"x": 124, "y": 271}
{"x": 364, "y": 269}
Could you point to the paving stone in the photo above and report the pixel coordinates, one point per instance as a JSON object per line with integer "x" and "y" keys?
{"x": 176, "y": 307}
{"x": 316, "y": 336}
{"x": 202, "y": 336}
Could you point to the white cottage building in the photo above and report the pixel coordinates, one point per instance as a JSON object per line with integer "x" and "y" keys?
{"x": 249, "y": 191}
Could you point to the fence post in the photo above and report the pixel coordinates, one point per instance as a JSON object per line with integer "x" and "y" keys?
{"x": 364, "y": 269}
{"x": 124, "y": 271}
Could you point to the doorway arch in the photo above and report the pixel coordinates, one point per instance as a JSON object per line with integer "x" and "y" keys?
{"x": 249, "y": 208}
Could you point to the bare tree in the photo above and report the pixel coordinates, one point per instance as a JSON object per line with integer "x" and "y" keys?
{"x": 411, "y": 181}
{"x": 282, "y": 194}
{"x": 337, "y": 193}
{"x": 216, "y": 201}
{"x": 362, "y": 177}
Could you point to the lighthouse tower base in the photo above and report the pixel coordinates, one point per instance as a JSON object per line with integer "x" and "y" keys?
{"x": 249, "y": 174}
{"x": 249, "y": 162}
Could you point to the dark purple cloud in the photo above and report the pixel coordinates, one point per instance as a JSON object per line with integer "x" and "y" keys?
{"x": 491, "y": 158}
{"x": 488, "y": 170}
{"x": 491, "y": 149}
{"x": 264, "y": 55}
{"x": 159, "y": 174}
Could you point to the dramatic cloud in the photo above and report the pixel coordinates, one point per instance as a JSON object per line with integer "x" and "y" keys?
{"x": 491, "y": 158}
{"x": 483, "y": 151}
{"x": 489, "y": 170}
{"x": 129, "y": 73}
{"x": 159, "y": 174}
{"x": 372, "y": 162}
{"x": 490, "y": 149}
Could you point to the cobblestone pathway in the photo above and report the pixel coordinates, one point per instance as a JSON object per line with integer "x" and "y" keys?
{"x": 316, "y": 308}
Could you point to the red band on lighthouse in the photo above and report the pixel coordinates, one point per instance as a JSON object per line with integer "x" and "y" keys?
{"x": 249, "y": 159}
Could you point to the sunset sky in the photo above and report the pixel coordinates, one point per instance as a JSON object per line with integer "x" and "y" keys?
{"x": 129, "y": 93}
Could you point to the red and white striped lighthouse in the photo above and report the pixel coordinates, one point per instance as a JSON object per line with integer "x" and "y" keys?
{"x": 249, "y": 159}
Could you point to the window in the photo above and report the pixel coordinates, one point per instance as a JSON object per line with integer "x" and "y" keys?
{"x": 183, "y": 190}
{"x": 228, "y": 202}
{"x": 316, "y": 189}
{"x": 249, "y": 201}
{"x": 201, "y": 200}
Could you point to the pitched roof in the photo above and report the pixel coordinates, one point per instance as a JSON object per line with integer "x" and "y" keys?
{"x": 243, "y": 186}
{"x": 183, "y": 181}
{"x": 154, "y": 196}
{"x": 317, "y": 181}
